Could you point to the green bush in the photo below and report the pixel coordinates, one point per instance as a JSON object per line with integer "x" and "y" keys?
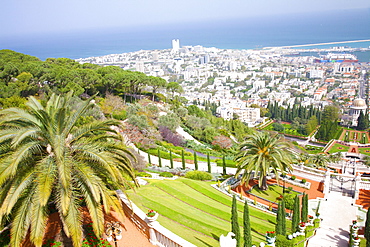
{"x": 166, "y": 174}
{"x": 198, "y": 175}
{"x": 304, "y": 181}
{"x": 283, "y": 241}
{"x": 122, "y": 115}
{"x": 289, "y": 201}
{"x": 143, "y": 174}
{"x": 293, "y": 178}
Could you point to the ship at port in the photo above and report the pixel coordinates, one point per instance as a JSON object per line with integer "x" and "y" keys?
{"x": 337, "y": 58}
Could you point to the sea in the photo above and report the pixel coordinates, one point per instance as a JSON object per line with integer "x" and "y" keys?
{"x": 238, "y": 33}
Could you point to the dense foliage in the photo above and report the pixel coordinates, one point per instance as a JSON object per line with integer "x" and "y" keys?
{"x": 23, "y": 75}
{"x": 47, "y": 160}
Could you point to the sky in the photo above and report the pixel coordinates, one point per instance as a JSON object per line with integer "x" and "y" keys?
{"x": 20, "y": 17}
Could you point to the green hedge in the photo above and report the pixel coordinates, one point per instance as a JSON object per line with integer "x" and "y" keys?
{"x": 283, "y": 241}
{"x": 198, "y": 175}
{"x": 163, "y": 154}
{"x": 166, "y": 174}
{"x": 143, "y": 174}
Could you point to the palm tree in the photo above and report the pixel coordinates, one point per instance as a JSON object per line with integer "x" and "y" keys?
{"x": 335, "y": 157}
{"x": 47, "y": 160}
{"x": 303, "y": 159}
{"x": 260, "y": 154}
{"x": 320, "y": 160}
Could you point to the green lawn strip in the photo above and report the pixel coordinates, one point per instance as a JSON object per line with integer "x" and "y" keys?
{"x": 145, "y": 203}
{"x": 202, "y": 201}
{"x": 273, "y": 192}
{"x": 365, "y": 151}
{"x": 191, "y": 235}
{"x": 212, "y": 193}
{"x": 166, "y": 220}
{"x": 338, "y": 148}
{"x": 209, "y": 206}
{"x": 182, "y": 213}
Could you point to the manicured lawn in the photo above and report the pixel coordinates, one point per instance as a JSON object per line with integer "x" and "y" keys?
{"x": 365, "y": 151}
{"x": 338, "y": 148}
{"x": 196, "y": 211}
{"x": 273, "y": 192}
{"x": 287, "y": 129}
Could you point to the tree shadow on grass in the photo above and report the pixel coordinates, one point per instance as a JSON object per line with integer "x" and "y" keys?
{"x": 215, "y": 237}
{"x": 205, "y": 243}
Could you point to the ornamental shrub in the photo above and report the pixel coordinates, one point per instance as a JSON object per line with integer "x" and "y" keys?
{"x": 166, "y": 174}
{"x": 293, "y": 178}
{"x": 143, "y": 174}
{"x": 198, "y": 175}
{"x": 304, "y": 181}
{"x": 50, "y": 242}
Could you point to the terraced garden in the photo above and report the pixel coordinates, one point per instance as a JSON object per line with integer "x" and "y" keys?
{"x": 196, "y": 211}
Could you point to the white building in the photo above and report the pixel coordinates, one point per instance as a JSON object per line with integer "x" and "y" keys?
{"x": 175, "y": 45}
{"x": 251, "y": 116}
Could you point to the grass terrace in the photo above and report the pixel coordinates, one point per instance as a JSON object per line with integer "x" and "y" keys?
{"x": 196, "y": 211}
{"x": 272, "y": 193}
{"x": 338, "y": 148}
{"x": 287, "y": 129}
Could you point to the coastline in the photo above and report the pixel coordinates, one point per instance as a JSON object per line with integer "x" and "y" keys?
{"x": 319, "y": 44}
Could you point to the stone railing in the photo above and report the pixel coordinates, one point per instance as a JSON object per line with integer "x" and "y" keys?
{"x": 308, "y": 173}
{"x": 156, "y": 233}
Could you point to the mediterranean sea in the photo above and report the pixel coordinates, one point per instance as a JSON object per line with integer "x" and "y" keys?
{"x": 248, "y": 33}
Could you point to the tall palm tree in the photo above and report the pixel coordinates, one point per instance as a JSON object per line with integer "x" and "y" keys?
{"x": 47, "y": 160}
{"x": 260, "y": 154}
{"x": 320, "y": 160}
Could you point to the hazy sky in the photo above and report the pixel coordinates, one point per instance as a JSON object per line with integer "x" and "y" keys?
{"x": 39, "y": 16}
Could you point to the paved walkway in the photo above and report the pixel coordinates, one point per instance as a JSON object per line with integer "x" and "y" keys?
{"x": 337, "y": 214}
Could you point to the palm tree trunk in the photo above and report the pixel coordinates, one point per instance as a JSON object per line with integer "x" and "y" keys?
{"x": 264, "y": 183}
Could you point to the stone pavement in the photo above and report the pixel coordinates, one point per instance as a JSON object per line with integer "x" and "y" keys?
{"x": 337, "y": 214}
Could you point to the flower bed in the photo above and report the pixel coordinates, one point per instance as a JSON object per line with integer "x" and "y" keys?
{"x": 92, "y": 240}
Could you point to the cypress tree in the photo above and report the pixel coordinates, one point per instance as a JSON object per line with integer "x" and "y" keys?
{"x": 195, "y": 161}
{"x": 171, "y": 160}
{"x": 209, "y": 163}
{"x": 304, "y": 213}
{"x": 159, "y": 158}
{"x": 247, "y": 226}
{"x": 149, "y": 159}
{"x": 223, "y": 165}
{"x": 296, "y": 213}
{"x": 234, "y": 222}
{"x": 283, "y": 218}
{"x": 278, "y": 226}
{"x": 367, "y": 228}
{"x": 183, "y": 159}
{"x": 361, "y": 122}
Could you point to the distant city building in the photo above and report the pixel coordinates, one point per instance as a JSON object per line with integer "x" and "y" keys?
{"x": 250, "y": 116}
{"x": 175, "y": 45}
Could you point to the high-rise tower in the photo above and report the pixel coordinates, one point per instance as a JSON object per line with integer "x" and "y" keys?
{"x": 175, "y": 45}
